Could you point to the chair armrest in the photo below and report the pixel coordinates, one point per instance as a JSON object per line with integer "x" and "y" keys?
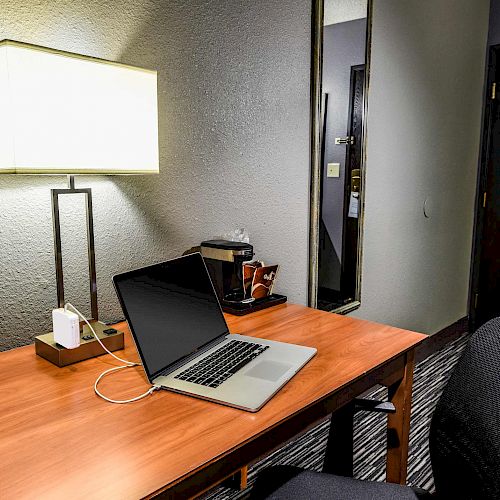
{"x": 374, "y": 405}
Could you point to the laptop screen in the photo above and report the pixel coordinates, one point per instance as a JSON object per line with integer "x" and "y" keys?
{"x": 171, "y": 309}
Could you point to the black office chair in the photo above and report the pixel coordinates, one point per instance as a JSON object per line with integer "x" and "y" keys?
{"x": 464, "y": 440}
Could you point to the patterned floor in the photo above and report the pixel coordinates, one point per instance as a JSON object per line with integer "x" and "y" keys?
{"x": 370, "y": 442}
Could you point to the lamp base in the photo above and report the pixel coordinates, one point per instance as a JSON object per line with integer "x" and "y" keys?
{"x": 89, "y": 347}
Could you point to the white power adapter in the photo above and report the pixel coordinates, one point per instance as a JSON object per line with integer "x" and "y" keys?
{"x": 66, "y": 328}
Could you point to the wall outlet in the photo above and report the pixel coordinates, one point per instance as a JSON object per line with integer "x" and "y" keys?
{"x": 333, "y": 170}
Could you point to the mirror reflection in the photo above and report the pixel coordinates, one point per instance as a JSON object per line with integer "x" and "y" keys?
{"x": 342, "y": 114}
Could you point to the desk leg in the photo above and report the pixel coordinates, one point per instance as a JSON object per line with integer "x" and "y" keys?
{"x": 238, "y": 481}
{"x": 340, "y": 449}
{"x": 398, "y": 424}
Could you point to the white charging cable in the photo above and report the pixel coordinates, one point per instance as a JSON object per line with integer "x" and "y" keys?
{"x": 128, "y": 364}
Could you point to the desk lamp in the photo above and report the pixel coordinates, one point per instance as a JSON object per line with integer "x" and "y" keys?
{"x": 64, "y": 113}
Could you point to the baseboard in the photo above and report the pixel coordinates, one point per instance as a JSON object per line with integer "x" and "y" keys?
{"x": 438, "y": 340}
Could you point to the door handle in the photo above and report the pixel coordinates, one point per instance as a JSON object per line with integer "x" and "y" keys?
{"x": 344, "y": 140}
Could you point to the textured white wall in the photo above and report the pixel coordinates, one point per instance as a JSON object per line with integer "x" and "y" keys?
{"x": 234, "y": 147}
{"x": 341, "y": 11}
{"x": 423, "y": 137}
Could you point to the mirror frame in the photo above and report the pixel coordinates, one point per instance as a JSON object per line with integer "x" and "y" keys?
{"x": 315, "y": 141}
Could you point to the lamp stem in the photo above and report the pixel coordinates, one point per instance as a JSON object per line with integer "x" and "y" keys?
{"x": 90, "y": 243}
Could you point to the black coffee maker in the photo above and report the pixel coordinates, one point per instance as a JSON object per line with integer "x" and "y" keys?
{"x": 224, "y": 260}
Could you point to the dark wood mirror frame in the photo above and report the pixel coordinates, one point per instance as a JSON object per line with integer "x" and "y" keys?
{"x": 315, "y": 131}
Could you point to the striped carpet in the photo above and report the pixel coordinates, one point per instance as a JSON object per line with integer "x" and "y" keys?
{"x": 307, "y": 451}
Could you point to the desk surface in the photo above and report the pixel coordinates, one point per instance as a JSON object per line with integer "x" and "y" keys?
{"x": 59, "y": 440}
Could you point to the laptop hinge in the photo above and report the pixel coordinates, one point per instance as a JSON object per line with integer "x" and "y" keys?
{"x": 174, "y": 366}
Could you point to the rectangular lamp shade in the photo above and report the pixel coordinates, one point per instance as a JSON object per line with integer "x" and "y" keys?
{"x": 63, "y": 113}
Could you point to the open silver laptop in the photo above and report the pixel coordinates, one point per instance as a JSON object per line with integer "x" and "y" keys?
{"x": 184, "y": 342}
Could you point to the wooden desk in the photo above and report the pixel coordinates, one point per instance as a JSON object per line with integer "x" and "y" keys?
{"x": 59, "y": 440}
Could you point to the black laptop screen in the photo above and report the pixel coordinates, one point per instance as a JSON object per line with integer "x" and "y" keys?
{"x": 172, "y": 310}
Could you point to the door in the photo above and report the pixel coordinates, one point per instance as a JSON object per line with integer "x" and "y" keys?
{"x": 485, "y": 296}
{"x": 338, "y": 271}
{"x": 341, "y": 49}
{"x": 352, "y": 186}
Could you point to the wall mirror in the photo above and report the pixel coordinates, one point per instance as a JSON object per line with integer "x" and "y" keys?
{"x": 341, "y": 43}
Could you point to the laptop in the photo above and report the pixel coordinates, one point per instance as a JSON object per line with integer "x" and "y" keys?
{"x": 184, "y": 343}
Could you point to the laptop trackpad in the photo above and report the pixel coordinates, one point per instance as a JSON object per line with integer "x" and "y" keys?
{"x": 268, "y": 370}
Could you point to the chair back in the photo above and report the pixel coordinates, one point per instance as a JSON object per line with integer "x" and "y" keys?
{"x": 465, "y": 428}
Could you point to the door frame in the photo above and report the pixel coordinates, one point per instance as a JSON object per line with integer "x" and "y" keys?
{"x": 315, "y": 142}
{"x": 492, "y": 66}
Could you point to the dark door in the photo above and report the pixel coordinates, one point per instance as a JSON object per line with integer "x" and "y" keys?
{"x": 485, "y": 297}
{"x": 337, "y": 277}
{"x": 352, "y": 187}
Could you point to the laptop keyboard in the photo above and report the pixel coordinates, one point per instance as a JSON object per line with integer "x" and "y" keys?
{"x": 223, "y": 363}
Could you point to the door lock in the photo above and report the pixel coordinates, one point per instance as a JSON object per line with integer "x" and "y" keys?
{"x": 355, "y": 180}
{"x": 344, "y": 140}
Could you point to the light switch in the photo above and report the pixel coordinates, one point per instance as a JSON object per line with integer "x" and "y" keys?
{"x": 333, "y": 170}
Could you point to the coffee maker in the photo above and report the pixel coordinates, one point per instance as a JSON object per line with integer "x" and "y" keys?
{"x": 224, "y": 260}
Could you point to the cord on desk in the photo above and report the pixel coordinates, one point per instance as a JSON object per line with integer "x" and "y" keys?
{"x": 128, "y": 364}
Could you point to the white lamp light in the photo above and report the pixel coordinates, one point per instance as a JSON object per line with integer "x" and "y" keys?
{"x": 68, "y": 114}
{"x": 63, "y": 113}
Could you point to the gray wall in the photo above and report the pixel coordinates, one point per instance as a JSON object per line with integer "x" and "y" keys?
{"x": 234, "y": 147}
{"x": 423, "y": 138}
{"x": 343, "y": 47}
